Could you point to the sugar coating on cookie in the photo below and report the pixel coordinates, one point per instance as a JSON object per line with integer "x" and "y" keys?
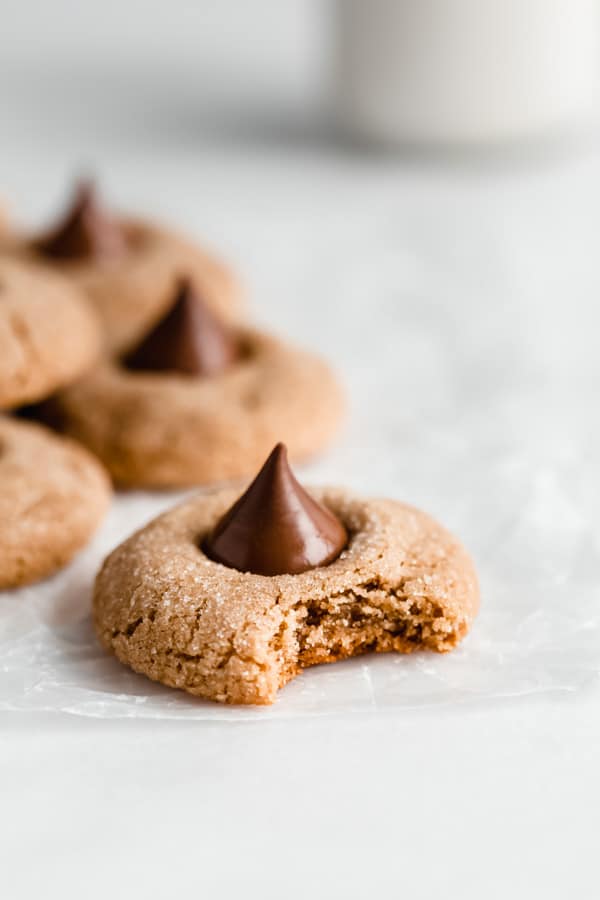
{"x": 165, "y": 609}
{"x": 168, "y": 429}
{"x": 49, "y": 334}
{"x": 53, "y": 496}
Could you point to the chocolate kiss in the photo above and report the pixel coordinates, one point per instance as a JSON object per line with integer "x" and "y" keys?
{"x": 86, "y": 232}
{"x": 188, "y": 339}
{"x": 276, "y": 528}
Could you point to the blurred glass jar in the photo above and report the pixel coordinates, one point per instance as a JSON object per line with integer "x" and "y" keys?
{"x": 466, "y": 71}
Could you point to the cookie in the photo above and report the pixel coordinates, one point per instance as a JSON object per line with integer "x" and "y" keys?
{"x": 53, "y": 495}
{"x": 168, "y": 609}
{"x": 215, "y": 418}
{"x": 128, "y": 267}
{"x": 4, "y": 226}
{"x": 49, "y": 334}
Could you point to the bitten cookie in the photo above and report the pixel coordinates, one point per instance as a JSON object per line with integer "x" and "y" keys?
{"x": 49, "y": 335}
{"x": 53, "y": 495}
{"x": 128, "y": 266}
{"x": 197, "y": 403}
{"x": 189, "y": 601}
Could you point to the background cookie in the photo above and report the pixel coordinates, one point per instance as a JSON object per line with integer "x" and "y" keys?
{"x": 131, "y": 294}
{"x": 53, "y": 495}
{"x": 128, "y": 267}
{"x": 166, "y": 429}
{"x": 168, "y": 611}
{"x": 4, "y": 226}
{"x": 49, "y": 335}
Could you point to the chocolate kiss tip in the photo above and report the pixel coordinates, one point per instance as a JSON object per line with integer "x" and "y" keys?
{"x": 86, "y": 231}
{"x": 276, "y": 527}
{"x": 85, "y": 193}
{"x": 189, "y": 339}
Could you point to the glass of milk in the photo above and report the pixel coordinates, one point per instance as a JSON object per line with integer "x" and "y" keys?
{"x": 466, "y": 71}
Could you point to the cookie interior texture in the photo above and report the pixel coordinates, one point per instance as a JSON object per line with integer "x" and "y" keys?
{"x": 54, "y": 495}
{"x": 165, "y": 609}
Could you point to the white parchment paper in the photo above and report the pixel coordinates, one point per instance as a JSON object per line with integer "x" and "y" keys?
{"x": 538, "y": 556}
{"x": 472, "y": 373}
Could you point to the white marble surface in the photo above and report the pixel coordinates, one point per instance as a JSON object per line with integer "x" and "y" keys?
{"x": 459, "y": 301}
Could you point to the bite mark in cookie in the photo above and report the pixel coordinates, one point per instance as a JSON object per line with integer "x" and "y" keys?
{"x": 169, "y": 611}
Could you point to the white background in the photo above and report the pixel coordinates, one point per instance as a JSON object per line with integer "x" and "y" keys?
{"x": 459, "y": 300}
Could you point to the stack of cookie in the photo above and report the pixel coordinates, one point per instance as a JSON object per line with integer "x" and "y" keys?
{"x": 54, "y": 492}
{"x": 131, "y": 342}
{"x": 131, "y": 339}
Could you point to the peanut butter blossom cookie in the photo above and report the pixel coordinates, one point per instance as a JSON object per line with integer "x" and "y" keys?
{"x": 127, "y": 266}
{"x": 49, "y": 334}
{"x": 230, "y": 597}
{"x": 198, "y": 401}
{"x": 53, "y": 495}
{"x": 3, "y": 221}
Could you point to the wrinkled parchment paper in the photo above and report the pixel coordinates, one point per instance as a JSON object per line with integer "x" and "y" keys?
{"x": 539, "y": 628}
{"x": 472, "y": 396}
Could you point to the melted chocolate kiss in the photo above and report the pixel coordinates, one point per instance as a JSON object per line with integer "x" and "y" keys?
{"x": 188, "y": 339}
{"x": 276, "y": 528}
{"x": 86, "y": 232}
